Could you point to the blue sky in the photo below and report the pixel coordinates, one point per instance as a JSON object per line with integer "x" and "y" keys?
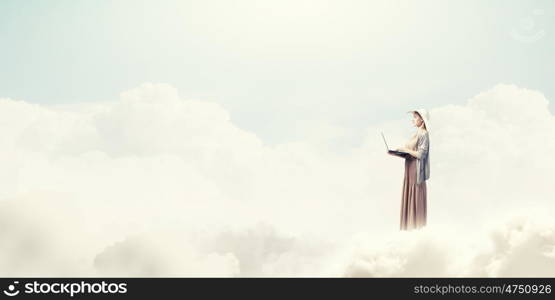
{"x": 272, "y": 64}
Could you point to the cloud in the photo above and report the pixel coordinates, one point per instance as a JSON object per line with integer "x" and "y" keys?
{"x": 517, "y": 247}
{"x": 162, "y": 254}
{"x": 42, "y": 235}
{"x": 522, "y": 247}
{"x": 157, "y": 185}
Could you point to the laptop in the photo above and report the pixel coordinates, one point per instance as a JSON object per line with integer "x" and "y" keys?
{"x": 400, "y": 153}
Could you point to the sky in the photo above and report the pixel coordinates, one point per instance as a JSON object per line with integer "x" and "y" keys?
{"x": 278, "y": 65}
{"x": 171, "y": 139}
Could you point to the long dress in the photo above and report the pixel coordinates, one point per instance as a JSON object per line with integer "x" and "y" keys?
{"x": 413, "y": 201}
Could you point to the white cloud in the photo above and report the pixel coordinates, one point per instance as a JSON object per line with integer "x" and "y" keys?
{"x": 163, "y": 254}
{"x": 518, "y": 247}
{"x": 155, "y": 171}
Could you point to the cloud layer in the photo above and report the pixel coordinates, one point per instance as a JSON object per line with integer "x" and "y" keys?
{"x": 157, "y": 185}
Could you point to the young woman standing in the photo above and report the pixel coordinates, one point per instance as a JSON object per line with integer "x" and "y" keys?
{"x": 417, "y": 171}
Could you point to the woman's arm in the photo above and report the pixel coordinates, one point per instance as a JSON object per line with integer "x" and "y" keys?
{"x": 413, "y": 153}
{"x": 422, "y": 147}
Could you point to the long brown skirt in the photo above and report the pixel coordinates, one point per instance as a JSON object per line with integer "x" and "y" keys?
{"x": 413, "y": 201}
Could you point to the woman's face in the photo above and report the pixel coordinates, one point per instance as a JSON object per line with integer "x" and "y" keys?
{"x": 416, "y": 120}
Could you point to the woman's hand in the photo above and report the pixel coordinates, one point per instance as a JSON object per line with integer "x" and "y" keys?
{"x": 411, "y": 153}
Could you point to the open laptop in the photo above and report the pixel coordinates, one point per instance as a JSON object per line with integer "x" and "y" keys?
{"x": 400, "y": 153}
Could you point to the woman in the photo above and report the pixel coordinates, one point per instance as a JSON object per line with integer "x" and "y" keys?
{"x": 417, "y": 171}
